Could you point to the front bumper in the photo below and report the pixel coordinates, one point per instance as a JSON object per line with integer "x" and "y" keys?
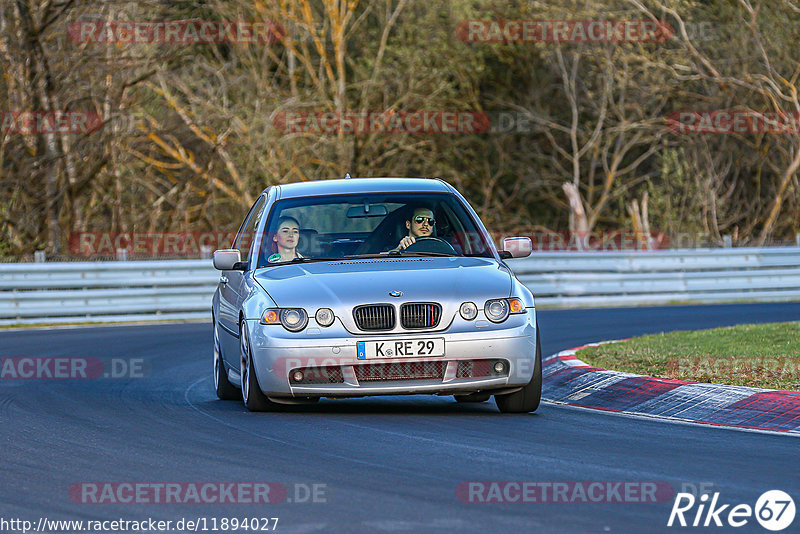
{"x": 276, "y": 353}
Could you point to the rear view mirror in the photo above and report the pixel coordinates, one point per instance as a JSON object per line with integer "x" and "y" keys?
{"x": 516, "y": 247}
{"x": 226, "y": 259}
{"x": 366, "y": 210}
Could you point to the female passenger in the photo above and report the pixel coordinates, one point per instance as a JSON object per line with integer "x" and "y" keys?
{"x": 285, "y": 240}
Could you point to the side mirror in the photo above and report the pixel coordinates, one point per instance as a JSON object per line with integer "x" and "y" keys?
{"x": 516, "y": 247}
{"x": 227, "y": 259}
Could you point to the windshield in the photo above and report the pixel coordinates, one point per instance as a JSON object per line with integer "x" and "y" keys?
{"x": 373, "y": 225}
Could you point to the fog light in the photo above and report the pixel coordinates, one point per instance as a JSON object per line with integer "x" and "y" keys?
{"x": 499, "y": 367}
{"x": 297, "y": 376}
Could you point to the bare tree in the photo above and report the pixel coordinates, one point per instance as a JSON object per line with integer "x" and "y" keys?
{"x": 767, "y": 82}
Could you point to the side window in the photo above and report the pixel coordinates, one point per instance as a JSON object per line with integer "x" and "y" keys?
{"x": 247, "y": 234}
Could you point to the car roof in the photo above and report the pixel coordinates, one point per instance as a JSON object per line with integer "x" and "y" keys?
{"x": 362, "y": 185}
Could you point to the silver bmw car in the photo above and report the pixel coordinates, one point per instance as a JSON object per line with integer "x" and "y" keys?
{"x": 372, "y": 286}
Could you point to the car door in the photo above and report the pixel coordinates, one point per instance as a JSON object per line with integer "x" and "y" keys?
{"x": 232, "y": 284}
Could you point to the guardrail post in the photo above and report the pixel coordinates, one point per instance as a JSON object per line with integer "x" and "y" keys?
{"x": 38, "y": 256}
{"x": 797, "y": 239}
{"x": 727, "y": 241}
{"x": 122, "y": 254}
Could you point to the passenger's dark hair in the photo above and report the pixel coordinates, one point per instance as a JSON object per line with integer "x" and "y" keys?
{"x": 285, "y": 218}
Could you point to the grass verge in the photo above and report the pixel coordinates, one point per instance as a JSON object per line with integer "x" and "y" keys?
{"x": 757, "y": 355}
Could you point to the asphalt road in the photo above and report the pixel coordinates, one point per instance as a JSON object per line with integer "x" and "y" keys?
{"x": 389, "y": 464}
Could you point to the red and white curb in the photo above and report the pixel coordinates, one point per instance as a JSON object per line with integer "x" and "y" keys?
{"x": 568, "y": 380}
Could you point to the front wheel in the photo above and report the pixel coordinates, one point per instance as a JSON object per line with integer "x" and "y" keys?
{"x": 254, "y": 399}
{"x": 527, "y": 399}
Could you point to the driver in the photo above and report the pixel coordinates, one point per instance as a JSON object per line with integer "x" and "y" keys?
{"x": 421, "y": 224}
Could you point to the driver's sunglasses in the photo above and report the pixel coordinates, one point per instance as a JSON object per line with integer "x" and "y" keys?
{"x": 419, "y": 219}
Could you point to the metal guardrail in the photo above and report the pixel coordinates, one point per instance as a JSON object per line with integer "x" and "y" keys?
{"x": 661, "y": 277}
{"x": 182, "y": 289}
{"x": 106, "y": 291}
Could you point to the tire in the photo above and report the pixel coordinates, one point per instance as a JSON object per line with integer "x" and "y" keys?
{"x": 527, "y": 399}
{"x": 472, "y": 397}
{"x": 254, "y": 399}
{"x": 225, "y": 390}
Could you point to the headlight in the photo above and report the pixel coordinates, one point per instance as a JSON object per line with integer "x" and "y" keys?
{"x": 468, "y": 310}
{"x": 498, "y": 310}
{"x": 292, "y": 319}
{"x": 324, "y": 316}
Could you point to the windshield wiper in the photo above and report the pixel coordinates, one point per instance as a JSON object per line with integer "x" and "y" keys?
{"x": 395, "y": 253}
{"x": 420, "y": 253}
{"x": 310, "y": 260}
{"x": 297, "y": 260}
{"x": 362, "y": 256}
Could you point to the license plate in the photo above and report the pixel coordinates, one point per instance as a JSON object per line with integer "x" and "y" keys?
{"x": 394, "y": 348}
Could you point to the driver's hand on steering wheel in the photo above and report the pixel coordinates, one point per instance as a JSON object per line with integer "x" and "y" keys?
{"x": 406, "y": 242}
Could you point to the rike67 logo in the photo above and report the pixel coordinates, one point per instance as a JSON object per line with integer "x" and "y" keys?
{"x": 774, "y": 510}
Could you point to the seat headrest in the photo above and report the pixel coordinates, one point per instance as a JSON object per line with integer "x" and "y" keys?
{"x": 308, "y": 243}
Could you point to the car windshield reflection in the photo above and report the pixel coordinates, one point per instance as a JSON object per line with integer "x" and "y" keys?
{"x": 308, "y": 229}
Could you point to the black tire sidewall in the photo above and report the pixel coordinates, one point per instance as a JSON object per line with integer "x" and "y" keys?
{"x": 256, "y": 400}
{"x": 529, "y": 397}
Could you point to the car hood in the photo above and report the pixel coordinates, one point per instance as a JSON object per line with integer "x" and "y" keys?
{"x": 361, "y": 281}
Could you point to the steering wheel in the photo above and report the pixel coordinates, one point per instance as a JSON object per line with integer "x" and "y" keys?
{"x": 431, "y": 244}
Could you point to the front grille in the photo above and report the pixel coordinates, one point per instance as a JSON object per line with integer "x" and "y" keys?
{"x": 479, "y": 368}
{"x": 374, "y": 317}
{"x": 331, "y": 374}
{"x": 376, "y": 372}
{"x": 420, "y": 315}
